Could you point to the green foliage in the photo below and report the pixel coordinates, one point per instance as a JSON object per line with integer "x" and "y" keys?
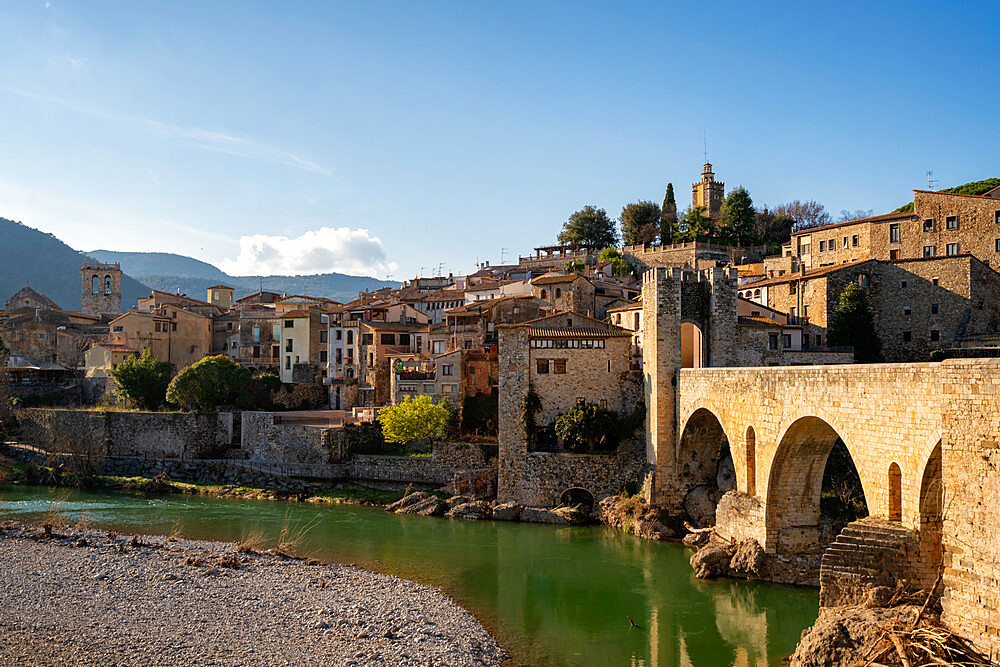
{"x": 771, "y": 227}
{"x": 574, "y": 266}
{"x": 737, "y": 219}
{"x": 852, "y": 324}
{"x": 843, "y": 496}
{"x": 480, "y": 414}
{"x": 141, "y": 382}
{"x": 588, "y": 427}
{"x": 640, "y": 223}
{"x": 270, "y": 381}
{"x": 695, "y": 226}
{"x": 974, "y": 188}
{"x": 619, "y": 265}
{"x": 669, "y": 231}
{"x": 590, "y": 227}
{"x": 211, "y": 383}
{"x": 530, "y": 404}
{"x": 416, "y": 418}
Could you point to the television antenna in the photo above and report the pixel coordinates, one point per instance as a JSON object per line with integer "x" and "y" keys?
{"x": 705, "y": 140}
{"x": 931, "y": 180}
{"x": 503, "y": 252}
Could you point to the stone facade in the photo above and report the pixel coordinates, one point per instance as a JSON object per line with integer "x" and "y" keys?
{"x": 101, "y": 289}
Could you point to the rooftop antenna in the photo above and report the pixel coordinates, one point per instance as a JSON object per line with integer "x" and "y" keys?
{"x": 441, "y": 269}
{"x": 705, "y": 139}
{"x": 503, "y": 251}
{"x": 931, "y": 180}
{"x": 422, "y": 271}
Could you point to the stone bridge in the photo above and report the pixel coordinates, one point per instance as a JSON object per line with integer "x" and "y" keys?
{"x": 925, "y": 439}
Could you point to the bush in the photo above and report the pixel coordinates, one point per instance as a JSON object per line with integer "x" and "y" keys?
{"x": 588, "y": 427}
{"x": 210, "y": 384}
{"x": 480, "y": 414}
{"x": 141, "y": 382}
{"x": 417, "y": 418}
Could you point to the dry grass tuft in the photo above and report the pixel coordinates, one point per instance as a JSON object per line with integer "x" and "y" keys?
{"x": 195, "y": 560}
{"x": 175, "y": 531}
{"x": 55, "y": 516}
{"x": 253, "y": 541}
{"x": 293, "y": 535}
{"x": 230, "y": 561}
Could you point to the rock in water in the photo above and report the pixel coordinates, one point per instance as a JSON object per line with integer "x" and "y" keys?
{"x": 541, "y": 515}
{"x": 749, "y": 560}
{"x": 477, "y": 509}
{"x": 712, "y": 560}
{"x": 429, "y": 506}
{"x": 700, "y": 504}
{"x": 507, "y": 511}
{"x": 406, "y": 501}
{"x": 697, "y": 539}
{"x": 843, "y": 635}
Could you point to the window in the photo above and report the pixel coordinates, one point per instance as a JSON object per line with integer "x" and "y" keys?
{"x": 288, "y": 363}
{"x": 542, "y": 366}
{"x": 997, "y": 245}
{"x": 934, "y": 281}
{"x": 854, "y": 241}
{"x": 907, "y": 336}
{"x": 322, "y": 356}
{"x": 288, "y": 345}
{"x": 340, "y": 355}
{"x": 637, "y": 321}
{"x": 805, "y": 341}
{"x": 951, "y": 249}
{"x": 903, "y": 284}
{"x": 107, "y": 284}
{"x": 339, "y": 335}
{"x": 604, "y": 403}
{"x": 93, "y": 285}
{"x": 907, "y": 311}
{"x": 559, "y": 366}
{"x": 276, "y": 332}
{"x": 845, "y": 242}
{"x": 792, "y": 288}
{"x": 786, "y": 341}
{"x": 229, "y": 326}
{"x": 894, "y": 254}
{"x": 387, "y": 339}
{"x": 323, "y": 335}
{"x": 118, "y": 328}
{"x": 822, "y": 246}
{"x": 558, "y": 292}
{"x": 256, "y": 351}
{"x": 289, "y": 324}
{"x": 935, "y": 335}
{"x": 996, "y": 217}
{"x": 404, "y": 339}
{"x": 173, "y": 326}
{"x": 934, "y": 308}
{"x": 928, "y": 251}
{"x": 446, "y": 369}
{"x": 772, "y": 341}
{"x": 438, "y": 347}
{"x": 863, "y": 279}
{"x": 894, "y": 233}
{"x": 806, "y": 249}
{"x": 929, "y": 225}
{"x": 951, "y": 222}
{"x": 367, "y": 339}
{"x": 819, "y": 340}
{"x": 805, "y": 311}
{"x": 544, "y": 294}
{"x": 350, "y": 338}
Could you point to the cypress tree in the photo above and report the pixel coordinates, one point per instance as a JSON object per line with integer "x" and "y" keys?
{"x": 668, "y": 217}
{"x": 852, "y": 324}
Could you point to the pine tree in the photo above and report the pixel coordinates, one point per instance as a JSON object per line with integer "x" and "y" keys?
{"x": 668, "y": 217}
{"x": 737, "y": 219}
{"x": 852, "y": 324}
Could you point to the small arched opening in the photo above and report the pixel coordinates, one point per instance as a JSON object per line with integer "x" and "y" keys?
{"x": 107, "y": 284}
{"x": 813, "y": 491}
{"x": 636, "y": 320}
{"x": 895, "y": 493}
{"x": 705, "y": 463}
{"x": 692, "y": 346}
{"x": 545, "y": 294}
{"x": 577, "y": 497}
{"x": 751, "y": 461}
{"x": 558, "y": 292}
{"x": 931, "y": 507}
{"x": 350, "y": 337}
{"x": 94, "y": 285}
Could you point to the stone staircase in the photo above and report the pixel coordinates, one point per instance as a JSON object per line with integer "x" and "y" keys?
{"x": 865, "y": 562}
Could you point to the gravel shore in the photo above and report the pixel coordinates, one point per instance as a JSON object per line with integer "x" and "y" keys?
{"x": 86, "y": 597}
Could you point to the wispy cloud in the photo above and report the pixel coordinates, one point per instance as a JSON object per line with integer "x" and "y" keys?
{"x": 196, "y": 137}
{"x": 323, "y": 250}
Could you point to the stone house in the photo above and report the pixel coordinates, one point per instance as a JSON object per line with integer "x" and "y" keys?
{"x": 173, "y": 334}
{"x": 50, "y": 336}
{"x": 565, "y": 293}
{"x": 381, "y": 341}
{"x": 304, "y": 345}
{"x": 472, "y": 326}
{"x": 26, "y": 297}
{"x": 102, "y": 358}
{"x": 220, "y": 296}
{"x": 259, "y": 332}
{"x": 157, "y": 300}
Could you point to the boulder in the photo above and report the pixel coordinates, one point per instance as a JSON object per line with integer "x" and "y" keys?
{"x": 477, "y": 509}
{"x": 712, "y": 560}
{"x": 574, "y": 515}
{"x": 700, "y": 504}
{"x": 541, "y": 515}
{"x": 429, "y": 506}
{"x": 749, "y": 560}
{"x": 507, "y": 511}
{"x": 455, "y": 501}
{"x": 725, "y": 476}
{"x": 407, "y": 500}
{"x": 697, "y": 539}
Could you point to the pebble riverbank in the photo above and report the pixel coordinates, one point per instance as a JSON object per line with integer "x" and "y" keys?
{"x": 87, "y": 597}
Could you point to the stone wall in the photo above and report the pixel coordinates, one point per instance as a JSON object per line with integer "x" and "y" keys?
{"x": 264, "y": 440}
{"x": 130, "y": 434}
{"x": 303, "y": 396}
{"x": 977, "y": 228}
{"x": 450, "y": 462}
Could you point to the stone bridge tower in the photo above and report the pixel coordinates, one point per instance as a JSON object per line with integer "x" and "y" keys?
{"x": 689, "y": 320}
{"x": 101, "y": 289}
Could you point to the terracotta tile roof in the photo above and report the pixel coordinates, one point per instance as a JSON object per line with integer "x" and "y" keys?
{"x": 551, "y": 280}
{"x": 220, "y": 287}
{"x": 117, "y": 347}
{"x": 758, "y": 321}
{"x": 294, "y": 314}
{"x": 629, "y": 306}
{"x": 883, "y": 217}
{"x": 813, "y": 273}
{"x": 577, "y": 332}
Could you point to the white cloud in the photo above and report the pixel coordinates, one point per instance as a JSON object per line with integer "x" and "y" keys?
{"x": 325, "y": 250}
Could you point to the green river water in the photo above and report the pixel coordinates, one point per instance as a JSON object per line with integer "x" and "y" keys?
{"x": 551, "y": 595}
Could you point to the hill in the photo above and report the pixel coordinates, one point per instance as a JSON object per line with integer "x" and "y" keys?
{"x": 46, "y": 263}
{"x": 168, "y": 272}
{"x": 974, "y": 188}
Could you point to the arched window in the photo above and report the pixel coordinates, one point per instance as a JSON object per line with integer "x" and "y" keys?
{"x": 107, "y": 284}
{"x": 94, "y": 287}
{"x": 350, "y": 372}
{"x": 350, "y": 337}
{"x": 751, "y": 461}
{"x": 895, "y": 493}
{"x": 544, "y": 294}
{"x": 636, "y": 321}
{"x": 756, "y": 294}
{"x": 558, "y": 292}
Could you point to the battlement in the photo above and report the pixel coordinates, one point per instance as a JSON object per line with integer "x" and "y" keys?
{"x": 99, "y": 266}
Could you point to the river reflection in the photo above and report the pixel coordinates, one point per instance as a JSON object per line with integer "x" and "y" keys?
{"x": 551, "y": 595}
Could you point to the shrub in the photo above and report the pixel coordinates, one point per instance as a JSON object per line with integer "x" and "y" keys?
{"x": 209, "y": 384}
{"x": 416, "y": 418}
{"x": 588, "y": 427}
{"x": 141, "y": 382}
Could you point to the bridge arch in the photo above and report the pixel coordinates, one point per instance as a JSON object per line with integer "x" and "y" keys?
{"x": 795, "y": 486}
{"x": 577, "y": 495}
{"x": 750, "y": 466}
{"x": 931, "y": 508}
{"x": 704, "y": 456}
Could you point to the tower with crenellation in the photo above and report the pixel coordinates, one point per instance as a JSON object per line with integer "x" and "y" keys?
{"x": 708, "y": 193}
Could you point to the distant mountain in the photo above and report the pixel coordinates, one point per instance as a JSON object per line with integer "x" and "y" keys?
{"x": 49, "y": 265}
{"x": 974, "y": 188}
{"x": 168, "y": 272}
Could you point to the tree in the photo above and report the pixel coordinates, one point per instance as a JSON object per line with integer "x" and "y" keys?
{"x": 694, "y": 225}
{"x": 416, "y": 418}
{"x": 804, "y": 213}
{"x": 857, "y": 214}
{"x": 619, "y": 265}
{"x": 852, "y": 324}
{"x": 211, "y": 383}
{"x": 668, "y": 218}
{"x": 771, "y": 227}
{"x": 640, "y": 223}
{"x": 142, "y": 381}
{"x": 588, "y": 427}
{"x": 737, "y": 219}
{"x": 590, "y": 227}
{"x": 574, "y": 266}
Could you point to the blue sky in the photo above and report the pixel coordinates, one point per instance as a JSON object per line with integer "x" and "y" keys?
{"x": 450, "y": 131}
